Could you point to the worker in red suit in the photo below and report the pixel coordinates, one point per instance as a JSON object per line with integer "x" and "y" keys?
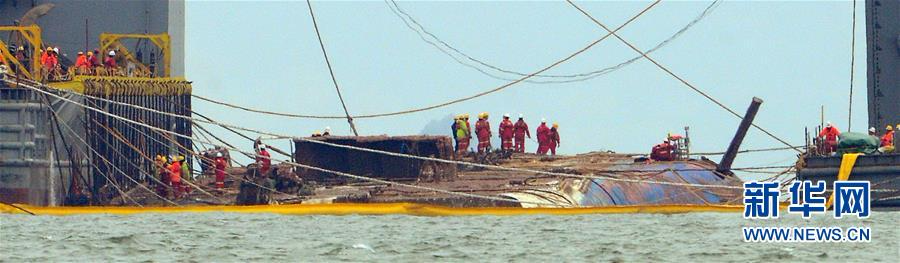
{"x": 520, "y": 130}
{"x": 175, "y": 177}
{"x": 506, "y": 133}
{"x": 483, "y": 131}
{"x": 553, "y": 138}
{"x": 543, "y": 133}
{"x": 662, "y": 151}
{"x": 220, "y": 171}
{"x": 110, "y": 61}
{"x": 830, "y": 135}
{"x": 264, "y": 159}
{"x": 94, "y": 58}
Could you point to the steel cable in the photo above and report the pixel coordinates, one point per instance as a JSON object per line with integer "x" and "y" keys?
{"x": 444, "y": 104}
{"x": 286, "y": 161}
{"x": 396, "y": 154}
{"x": 420, "y": 30}
{"x": 710, "y": 98}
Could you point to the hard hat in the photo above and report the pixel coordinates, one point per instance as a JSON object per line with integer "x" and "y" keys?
{"x": 543, "y": 120}
{"x": 555, "y": 125}
{"x": 112, "y": 53}
{"x": 49, "y": 48}
{"x": 181, "y": 158}
{"x": 506, "y": 115}
{"x": 21, "y": 48}
{"x": 316, "y": 133}
{"x": 872, "y": 129}
{"x": 90, "y": 53}
{"x": 263, "y": 146}
{"x": 890, "y": 128}
{"x": 327, "y": 129}
{"x": 218, "y": 154}
{"x": 56, "y": 49}
{"x": 80, "y": 53}
{"x": 828, "y": 124}
{"x": 465, "y": 116}
{"x": 521, "y": 116}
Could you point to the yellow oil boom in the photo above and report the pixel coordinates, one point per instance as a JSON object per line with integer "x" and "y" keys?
{"x": 110, "y": 41}
{"x": 32, "y": 35}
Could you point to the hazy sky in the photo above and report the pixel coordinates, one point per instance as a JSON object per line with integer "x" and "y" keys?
{"x": 793, "y": 55}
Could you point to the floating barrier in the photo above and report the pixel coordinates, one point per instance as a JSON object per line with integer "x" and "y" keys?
{"x": 372, "y": 209}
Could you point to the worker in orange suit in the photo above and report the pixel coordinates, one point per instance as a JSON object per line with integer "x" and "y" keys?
{"x": 45, "y": 54}
{"x": 888, "y": 139}
{"x": 520, "y": 130}
{"x": 483, "y": 130}
{"x": 264, "y": 159}
{"x": 220, "y": 171}
{"x": 553, "y": 137}
{"x": 506, "y": 133}
{"x": 175, "y": 177}
{"x": 81, "y": 63}
{"x": 830, "y": 135}
{"x": 543, "y": 133}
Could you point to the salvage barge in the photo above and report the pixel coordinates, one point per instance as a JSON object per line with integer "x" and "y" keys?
{"x": 883, "y": 57}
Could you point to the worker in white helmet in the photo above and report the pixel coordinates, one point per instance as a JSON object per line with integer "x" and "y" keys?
{"x": 110, "y": 61}
{"x": 830, "y": 136}
{"x": 872, "y": 131}
{"x": 327, "y": 131}
{"x": 220, "y": 171}
{"x": 506, "y": 133}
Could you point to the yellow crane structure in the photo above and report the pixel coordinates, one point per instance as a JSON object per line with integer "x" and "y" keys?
{"x": 109, "y": 41}
{"x": 32, "y": 35}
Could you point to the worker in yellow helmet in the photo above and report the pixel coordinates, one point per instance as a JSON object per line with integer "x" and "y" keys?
{"x": 554, "y": 138}
{"x": 483, "y": 130}
{"x": 887, "y": 141}
{"x": 462, "y": 134}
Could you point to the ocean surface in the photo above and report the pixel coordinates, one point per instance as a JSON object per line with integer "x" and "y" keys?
{"x": 228, "y": 237}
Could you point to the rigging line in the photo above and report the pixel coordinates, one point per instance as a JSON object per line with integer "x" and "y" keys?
{"x": 18, "y": 207}
{"x": 422, "y": 32}
{"x": 55, "y": 122}
{"x": 283, "y": 161}
{"x": 192, "y": 153}
{"x": 118, "y": 136}
{"x": 109, "y": 180}
{"x": 385, "y": 152}
{"x": 852, "y": 64}
{"x": 751, "y": 150}
{"x": 710, "y": 98}
{"x": 397, "y": 154}
{"x": 330, "y": 70}
{"x": 480, "y": 94}
{"x": 130, "y": 162}
{"x": 322, "y": 169}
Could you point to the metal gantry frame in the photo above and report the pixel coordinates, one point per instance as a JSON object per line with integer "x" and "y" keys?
{"x": 110, "y": 41}
{"x": 31, "y": 34}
